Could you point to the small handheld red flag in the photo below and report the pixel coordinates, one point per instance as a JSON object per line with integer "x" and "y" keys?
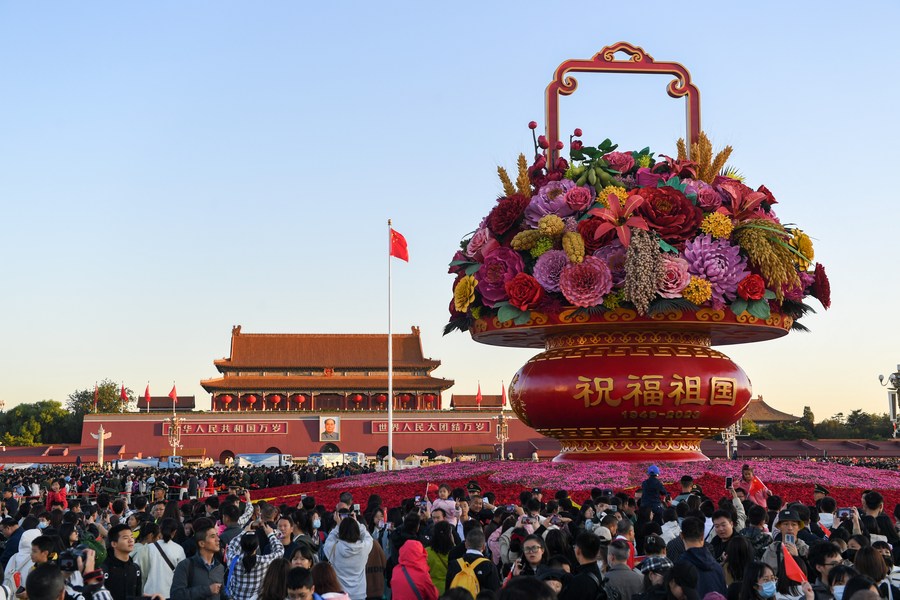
{"x": 398, "y": 246}
{"x": 478, "y": 396}
{"x": 792, "y": 569}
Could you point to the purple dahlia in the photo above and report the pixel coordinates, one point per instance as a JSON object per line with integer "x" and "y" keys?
{"x": 548, "y": 268}
{"x": 613, "y": 254}
{"x": 550, "y": 200}
{"x": 719, "y": 262}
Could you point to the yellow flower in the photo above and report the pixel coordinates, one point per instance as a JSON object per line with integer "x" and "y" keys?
{"x": 464, "y": 294}
{"x": 643, "y": 160}
{"x": 717, "y": 225}
{"x": 613, "y": 300}
{"x": 804, "y": 245}
{"x": 476, "y": 312}
{"x": 698, "y": 291}
{"x": 551, "y": 226}
{"x": 603, "y": 195}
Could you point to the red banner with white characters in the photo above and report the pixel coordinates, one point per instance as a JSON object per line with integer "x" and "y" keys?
{"x": 468, "y": 426}
{"x": 218, "y": 428}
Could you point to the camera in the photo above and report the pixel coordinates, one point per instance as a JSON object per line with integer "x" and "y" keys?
{"x": 68, "y": 560}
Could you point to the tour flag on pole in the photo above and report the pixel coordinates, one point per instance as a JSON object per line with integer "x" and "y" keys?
{"x": 174, "y": 396}
{"x": 96, "y": 396}
{"x": 398, "y": 246}
{"x": 478, "y": 396}
{"x": 147, "y": 396}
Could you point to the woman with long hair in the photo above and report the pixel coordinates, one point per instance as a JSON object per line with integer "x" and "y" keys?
{"x": 737, "y": 557}
{"x": 247, "y": 566}
{"x": 870, "y": 562}
{"x": 274, "y": 584}
{"x": 326, "y": 582}
{"x": 158, "y": 560}
{"x": 437, "y": 554}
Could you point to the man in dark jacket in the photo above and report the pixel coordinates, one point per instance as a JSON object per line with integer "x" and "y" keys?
{"x": 202, "y": 576}
{"x": 122, "y": 575}
{"x": 485, "y": 571}
{"x": 586, "y": 584}
{"x": 711, "y": 577}
{"x": 11, "y": 531}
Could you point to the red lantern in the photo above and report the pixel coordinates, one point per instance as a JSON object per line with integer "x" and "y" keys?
{"x": 226, "y": 399}
{"x": 251, "y": 400}
{"x": 381, "y": 398}
{"x": 299, "y": 398}
{"x": 357, "y": 398}
{"x": 275, "y": 399}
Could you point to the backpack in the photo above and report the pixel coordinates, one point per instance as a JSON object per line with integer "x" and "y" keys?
{"x": 466, "y": 578}
{"x": 605, "y": 592}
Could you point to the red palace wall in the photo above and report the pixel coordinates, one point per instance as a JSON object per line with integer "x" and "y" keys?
{"x": 297, "y": 433}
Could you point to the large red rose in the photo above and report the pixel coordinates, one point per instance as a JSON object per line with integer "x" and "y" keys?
{"x": 670, "y": 213}
{"x": 506, "y": 213}
{"x": 524, "y": 291}
{"x": 752, "y": 287}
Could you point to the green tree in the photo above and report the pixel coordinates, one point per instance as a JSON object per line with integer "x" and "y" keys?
{"x": 808, "y": 421}
{"x": 81, "y": 402}
{"x": 787, "y": 431}
{"x": 44, "y": 422}
{"x": 749, "y": 427}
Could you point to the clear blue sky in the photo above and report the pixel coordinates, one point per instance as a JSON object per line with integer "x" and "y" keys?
{"x": 170, "y": 169}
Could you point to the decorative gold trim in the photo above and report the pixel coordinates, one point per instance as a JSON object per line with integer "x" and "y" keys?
{"x": 615, "y": 338}
{"x": 621, "y": 446}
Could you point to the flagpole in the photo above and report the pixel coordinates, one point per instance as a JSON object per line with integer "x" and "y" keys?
{"x": 390, "y": 364}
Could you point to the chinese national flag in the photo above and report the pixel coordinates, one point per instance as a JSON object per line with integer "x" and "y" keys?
{"x": 174, "y": 396}
{"x": 502, "y": 395}
{"x": 398, "y": 246}
{"x": 431, "y": 487}
{"x": 478, "y": 396}
{"x": 756, "y": 486}
{"x": 147, "y": 397}
{"x": 122, "y": 395}
{"x": 792, "y": 569}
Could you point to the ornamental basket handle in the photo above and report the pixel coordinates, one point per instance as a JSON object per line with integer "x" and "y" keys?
{"x": 605, "y": 61}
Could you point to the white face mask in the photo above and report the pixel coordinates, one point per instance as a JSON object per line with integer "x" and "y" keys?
{"x": 316, "y": 523}
{"x": 42, "y": 525}
{"x": 838, "y": 592}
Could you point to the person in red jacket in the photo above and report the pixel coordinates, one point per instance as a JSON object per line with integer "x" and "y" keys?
{"x": 411, "y": 573}
{"x": 56, "y": 496}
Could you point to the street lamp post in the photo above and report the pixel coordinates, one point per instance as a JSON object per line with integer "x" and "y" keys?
{"x": 175, "y": 422}
{"x": 893, "y": 386}
{"x": 502, "y": 433}
{"x": 729, "y": 438}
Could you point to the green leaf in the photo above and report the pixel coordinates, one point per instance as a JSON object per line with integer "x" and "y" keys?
{"x": 457, "y": 263}
{"x": 508, "y": 313}
{"x": 592, "y": 152}
{"x": 523, "y": 318}
{"x": 738, "y": 306}
{"x": 473, "y": 268}
{"x": 501, "y": 304}
{"x": 661, "y": 305}
{"x": 759, "y": 309}
{"x": 769, "y": 295}
{"x": 667, "y": 247}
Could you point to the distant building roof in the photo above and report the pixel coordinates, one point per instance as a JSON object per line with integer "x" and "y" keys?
{"x": 761, "y": 413}
{"x": 374, "y": 383}
{"x": 164, "y": 404}
{"x": 319, "y": 350}
{"x": 59, "y": 454}
{"x": 468, "y": 401}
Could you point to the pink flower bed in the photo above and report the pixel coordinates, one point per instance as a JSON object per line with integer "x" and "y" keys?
{"x": 791, "y": 479}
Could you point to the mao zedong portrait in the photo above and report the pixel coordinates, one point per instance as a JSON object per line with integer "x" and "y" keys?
{"x": 329, "y": 431}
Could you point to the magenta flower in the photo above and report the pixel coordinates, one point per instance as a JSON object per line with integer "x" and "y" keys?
{"x": 584, "y": 284}
{"x": 499, "y": 266}
{"x": 551, "y": 200}
{"x": 674, "y": 277}
{"x": 548, "y": 268}
{"x": 613, "y": 254}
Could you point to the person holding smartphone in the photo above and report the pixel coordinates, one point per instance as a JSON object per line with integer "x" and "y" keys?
{"x": 786, "y": 540}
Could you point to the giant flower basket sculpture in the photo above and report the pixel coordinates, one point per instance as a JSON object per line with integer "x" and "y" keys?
{"x": 626, "y": 267}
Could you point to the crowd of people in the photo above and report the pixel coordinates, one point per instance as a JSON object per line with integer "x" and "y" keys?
{"x": 744, "y": 543}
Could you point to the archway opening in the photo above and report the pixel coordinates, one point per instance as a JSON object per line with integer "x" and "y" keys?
{"x": 329, "y": 448}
